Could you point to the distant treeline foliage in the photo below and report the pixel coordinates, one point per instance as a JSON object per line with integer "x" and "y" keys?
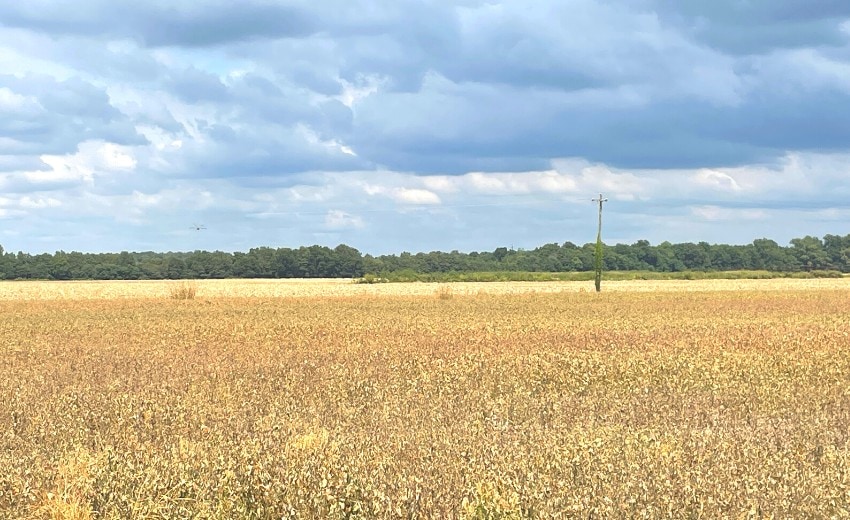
{"x": 803, "y": 254}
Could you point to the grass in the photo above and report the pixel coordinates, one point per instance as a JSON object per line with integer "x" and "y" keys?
{"x": 648, "y": 403}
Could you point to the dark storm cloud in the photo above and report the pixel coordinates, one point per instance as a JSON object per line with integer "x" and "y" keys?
{"x": 518, "y": 85}
{"x": 258, "y": 151}
{"x": 246, "y": 100}
{"x": 57, "y": 115}
{"x": 693, "y": 106}
{"x": 759, "y": 25}
{"x": 158, "y": 23}
{"x": 193, "y": 86}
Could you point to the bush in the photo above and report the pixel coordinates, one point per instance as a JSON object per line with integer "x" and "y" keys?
{"x": 370, "y": 278}
{"x": 445, "y": 292}
{"x": 184, "y": 291}
{"x": 827, "y": 274}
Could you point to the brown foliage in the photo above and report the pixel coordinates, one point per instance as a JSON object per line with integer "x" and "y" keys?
{"x": 655, "y": 404}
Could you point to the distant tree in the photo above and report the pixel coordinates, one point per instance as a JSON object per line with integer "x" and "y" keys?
{"x": 373, "y": 265}
{"x": 203, "y": 264}
{"x": 665, "y": 258}
{"x": 843, "y": 261}
{"x": 315, "y": 261}
{"x": 576, "y": 264}
{"x": 60, "y": 268}
{"x": 245, "y": 266}
{"x": 174, "y": 268}
{"x": 645, "y": 254}
{"x": 838, "y": 250}
{"x": 625, "y": 258}
{"x": 548, "y": 258}
{"x": 769, "y": 255}
{"x": 692, "y": 256}
{"x": 285, "y": 263}
{"x": 810, "y": 253}
{"x": 348, "y": 263}
{"x": 263, "y": 262}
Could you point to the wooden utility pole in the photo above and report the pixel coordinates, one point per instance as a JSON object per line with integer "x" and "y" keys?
{"x": 598, "y": 279}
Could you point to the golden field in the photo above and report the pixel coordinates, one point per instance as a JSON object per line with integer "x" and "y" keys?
{"x": 694, "y": 399}
{"x": 284, "y": 288}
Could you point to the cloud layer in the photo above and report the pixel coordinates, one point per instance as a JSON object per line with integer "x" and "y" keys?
{"x": 409, "y": 125}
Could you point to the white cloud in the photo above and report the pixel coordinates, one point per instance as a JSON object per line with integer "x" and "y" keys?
{"x": 716, "y": 180}
{"x": 440, "y": 183}
{"x": 615, "y": 184}
{"x": 308, "y": 193}
{"x": 92, "y": 158}
{"x": 114, "y": 158}
{"x": 31, "y": 202}
{"x": 404, "y": 195}
{"x": 717, "y": 213}
{"x": 313, "y": 138}
{"x": 17, "y": 103}
{"x": 338, "y": 219}
{"x": 19, "y": 55}
{"x": 415, "y": 196}
{"x": 502, "y": 183}
{"x": 484, "y": 183}
{"x": 364, "y": 86}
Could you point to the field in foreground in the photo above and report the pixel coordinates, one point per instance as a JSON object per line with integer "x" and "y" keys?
{"x": 653, "y": 403}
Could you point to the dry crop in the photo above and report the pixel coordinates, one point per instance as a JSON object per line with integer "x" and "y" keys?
{"x": 572, "y": 405}
{"x": 286, "y": 288}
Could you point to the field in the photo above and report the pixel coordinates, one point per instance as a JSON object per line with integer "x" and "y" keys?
{"x": 87, "y": 290}
{"x": 327, "y": 399}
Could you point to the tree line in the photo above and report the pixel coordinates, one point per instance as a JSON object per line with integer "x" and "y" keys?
{"x": 809, "y": 253}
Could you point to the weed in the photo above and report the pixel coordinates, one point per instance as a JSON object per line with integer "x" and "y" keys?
{"x": 183, "y": 291}
{"x": 444, "y": 292}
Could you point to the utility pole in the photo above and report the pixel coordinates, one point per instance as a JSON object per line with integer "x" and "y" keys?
{"x": 598, "y": 279}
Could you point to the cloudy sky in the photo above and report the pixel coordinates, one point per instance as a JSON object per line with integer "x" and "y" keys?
{"x": 418, "y": 125}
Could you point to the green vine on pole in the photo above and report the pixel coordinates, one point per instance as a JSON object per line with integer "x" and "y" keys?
{"x": 598, "y": 278}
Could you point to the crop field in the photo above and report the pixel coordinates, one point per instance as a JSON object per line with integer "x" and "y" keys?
{"x": 685, "y": 399}
{"x": 283, "y": 288}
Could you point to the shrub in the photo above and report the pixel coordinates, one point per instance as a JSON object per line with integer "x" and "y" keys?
{"x": 370, "y": 278}
{"x": 444, "y": 292}
{"x": 184, "y": 291}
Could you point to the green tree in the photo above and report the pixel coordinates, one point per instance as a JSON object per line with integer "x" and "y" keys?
{"x": 692, "y": 256}
{"x": 837, "y": 249}
{"x": 263, "y": 262}
{"x": 348, "y": 262}
{"x": 810, "y": 253}
{"x": 771, "y": 256}
{"x": 286, "y": 263}
{"x": 173, "y": 268}
{"x": 61, "y": 267}
{"x": 500, "y": 253}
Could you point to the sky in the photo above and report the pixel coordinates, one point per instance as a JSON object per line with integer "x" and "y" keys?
{"x": 420, "y": 125}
